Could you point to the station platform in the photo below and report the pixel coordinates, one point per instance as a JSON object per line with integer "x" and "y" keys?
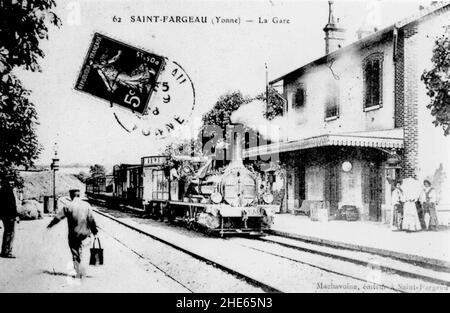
{"x": 43, "y": 263}
{"x": 429, "y": 247}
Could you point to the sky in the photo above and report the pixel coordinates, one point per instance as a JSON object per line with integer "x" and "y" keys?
{"x": 218, "y": 58}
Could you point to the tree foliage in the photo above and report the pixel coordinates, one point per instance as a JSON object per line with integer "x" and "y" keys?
{"x": 183, "y": 147}
{"x": 97, "y": 170}
{"x": 220, "y": 114}
{"x": 437, "y": 82}
{"x": 22, "y": 26}
{"x": 275, "y": 104}
{"x": 18, "y": 144}
{"x": 220, "y": 117}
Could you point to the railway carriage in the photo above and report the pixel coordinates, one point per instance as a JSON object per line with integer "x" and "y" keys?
{"x": 100, "y": 187}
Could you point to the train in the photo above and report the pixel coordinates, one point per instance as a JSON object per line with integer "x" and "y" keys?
{"x": 221, "y": 201}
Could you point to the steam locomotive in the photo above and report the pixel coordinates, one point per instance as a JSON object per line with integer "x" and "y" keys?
{"x": 218, "y": 201}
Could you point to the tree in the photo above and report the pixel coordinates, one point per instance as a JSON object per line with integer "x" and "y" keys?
{"x": 220, "y": 114}
{"x": 437, "y": 82}
{"x": 184, "y": 147}
{"x": 97, "y": 170}
{"x": 22, "y": 25}
{"x": 18, "y": 145}
{"x": 275, "y": 105}
{"x": 214, "y": 131}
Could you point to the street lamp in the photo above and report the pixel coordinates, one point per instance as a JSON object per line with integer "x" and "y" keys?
{"x": 54, "y": 167}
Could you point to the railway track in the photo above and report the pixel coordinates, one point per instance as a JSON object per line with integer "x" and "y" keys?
{"x": 148, "y": 260}
{"x": 356, "y": 265}
{"x": 378, "y": 273}
{"x": 386, "y": 264}
{"x": 246, "y": 278}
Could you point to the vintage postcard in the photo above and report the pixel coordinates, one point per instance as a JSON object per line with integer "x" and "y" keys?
{"x": 253, "y": 148}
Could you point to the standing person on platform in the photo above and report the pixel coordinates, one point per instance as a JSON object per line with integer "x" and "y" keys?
{"x": 398, "y": 201}
{"x": 428, "y": 200}
{"x": 411, "y": 191}
{"x": 81, "y": 224}
{"x": 8, "y": 215}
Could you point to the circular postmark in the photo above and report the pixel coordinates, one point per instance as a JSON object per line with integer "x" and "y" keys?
{"x": 170, "y": 107}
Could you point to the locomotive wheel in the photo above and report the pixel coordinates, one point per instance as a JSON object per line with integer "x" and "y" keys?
{"x": 170, "y": 214}
{"x": 161, "y": 212}
{"x": 210, "y": 232}
{"x": 195, "y": 226}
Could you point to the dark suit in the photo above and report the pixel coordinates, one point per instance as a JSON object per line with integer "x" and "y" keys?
{"x": 81, "y": 224}
{"x": 8, "y": 214}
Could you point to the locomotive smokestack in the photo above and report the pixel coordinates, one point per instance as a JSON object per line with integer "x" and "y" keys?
{"x": 236, "y": 158}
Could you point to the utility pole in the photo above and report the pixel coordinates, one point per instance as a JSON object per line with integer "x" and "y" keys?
{"x": 54, "y": 167}
{"x": 267, "y": 87}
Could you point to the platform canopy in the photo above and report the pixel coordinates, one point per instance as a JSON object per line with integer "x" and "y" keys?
{"x": 392, "y": 138}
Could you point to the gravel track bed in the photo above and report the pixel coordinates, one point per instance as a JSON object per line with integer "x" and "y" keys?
{"x": 376, "y": 279}
{"x": 374, "y": 260}
{"x": 281, "y": 273}
{"x": 193, "y": 274}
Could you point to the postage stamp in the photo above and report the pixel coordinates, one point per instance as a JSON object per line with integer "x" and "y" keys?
{"x": 148, "y": 93}
{"x": 119, "y": 73}
{"x": 170, "y": 107}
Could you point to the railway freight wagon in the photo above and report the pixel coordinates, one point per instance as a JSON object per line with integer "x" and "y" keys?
{"x": 121, "y": 188}
{"x": 128, "y": 184}
{"x": 100, "y": 186}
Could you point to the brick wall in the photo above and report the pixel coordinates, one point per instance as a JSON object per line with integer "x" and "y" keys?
{"x": 410, "y": 98}
{"x": 399, "y": 81}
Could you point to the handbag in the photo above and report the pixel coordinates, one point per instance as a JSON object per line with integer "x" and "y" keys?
{"x": 96, "y": 253}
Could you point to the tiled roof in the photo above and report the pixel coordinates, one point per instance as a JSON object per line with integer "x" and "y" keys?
{"x": 375, "y": 37}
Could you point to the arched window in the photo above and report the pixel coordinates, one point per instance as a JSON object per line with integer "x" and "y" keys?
{"x": 373, "y": 78}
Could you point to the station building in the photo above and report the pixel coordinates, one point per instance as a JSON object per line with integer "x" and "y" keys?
{"x": 358, "y": 120}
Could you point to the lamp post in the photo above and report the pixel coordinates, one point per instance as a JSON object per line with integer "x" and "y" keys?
{"x": 54, "y": 167}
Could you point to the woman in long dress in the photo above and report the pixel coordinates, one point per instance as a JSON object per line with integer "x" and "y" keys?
{"x": 398, "y": 201}
{"x": 411, "y": 192}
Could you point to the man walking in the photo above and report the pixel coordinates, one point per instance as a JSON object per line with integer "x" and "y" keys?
{"x": 81, "y": 224}
{"x": 8, "y": 215}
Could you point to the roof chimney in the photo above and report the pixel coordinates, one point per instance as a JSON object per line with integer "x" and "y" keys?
{"x": 334, "y": 35}
{"x": 372, "y": 20}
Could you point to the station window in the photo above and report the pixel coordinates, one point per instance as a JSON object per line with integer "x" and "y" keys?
{"x": 373, "y": 77}
{"x": 332, "y": 101}
{"x": 300, "y": 98}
